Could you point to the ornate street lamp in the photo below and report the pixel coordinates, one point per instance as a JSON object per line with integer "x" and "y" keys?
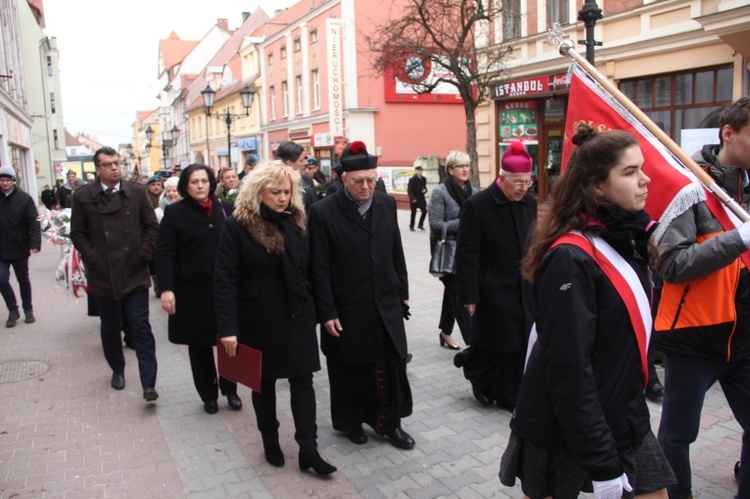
{"x": 168, "y": 139}
{"x": 589, "y": 14}
{"x": 209, "y": 96}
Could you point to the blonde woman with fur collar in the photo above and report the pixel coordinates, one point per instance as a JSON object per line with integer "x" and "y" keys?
{"x": 263, "y": 300}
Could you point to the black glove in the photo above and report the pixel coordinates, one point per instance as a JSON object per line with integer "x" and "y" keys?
{"x": 405, "y": 310}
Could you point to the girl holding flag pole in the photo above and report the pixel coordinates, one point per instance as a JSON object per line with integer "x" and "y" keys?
{"x": 581, "y": 420}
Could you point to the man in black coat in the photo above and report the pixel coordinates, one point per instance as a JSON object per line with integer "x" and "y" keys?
{"x": 294, "y": 155}
{"x": 417, "y": 188}
{"x": 114, "y": 227}
{"x": 20, "y": 236}
{"x": 492, "y": 238}
{"x": 361, "y": 291}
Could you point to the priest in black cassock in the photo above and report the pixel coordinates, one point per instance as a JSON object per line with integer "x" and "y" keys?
{"x": 358, "y": 273}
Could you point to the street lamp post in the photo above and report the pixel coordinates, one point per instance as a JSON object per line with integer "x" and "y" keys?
{"x": 589, "y": 14}
{"x": 209, "y": 95}
{"x": 168, "y": 139}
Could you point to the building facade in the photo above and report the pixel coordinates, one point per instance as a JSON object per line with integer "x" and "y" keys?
{"x": 680, "y": 61}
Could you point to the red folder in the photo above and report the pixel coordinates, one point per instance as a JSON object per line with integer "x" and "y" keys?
{"x": 244, "y": 367}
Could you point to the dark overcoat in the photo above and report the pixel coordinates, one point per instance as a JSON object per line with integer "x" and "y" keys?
{"x": 492, "y": 239}
{"x": 359, "y": 276}
{"x": 19, "y": 228}
{"x": 185, "y": 254}
{"x": 115, "y": 237}
{"x": 252, "y": 303}
{"x": 416, "y": 189}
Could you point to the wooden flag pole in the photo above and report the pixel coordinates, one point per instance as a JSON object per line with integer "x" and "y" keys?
{"x": 567, "y": 48}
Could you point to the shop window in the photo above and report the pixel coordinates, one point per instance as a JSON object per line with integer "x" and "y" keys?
{"x": 683, "y": 101}
{"x": 704, "y": 86}
{"x": 684, "y": 89}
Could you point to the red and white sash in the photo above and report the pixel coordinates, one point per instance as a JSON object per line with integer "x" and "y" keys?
{"x": 628, "y": 286}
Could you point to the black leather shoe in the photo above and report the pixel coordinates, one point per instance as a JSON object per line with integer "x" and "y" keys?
{"x": 481, "y": 398}
{"x": 150, "y": 394}
{"x": 315, "y": 462}
{"x": 399, "y": 438}
{"x": 235, "y": 403}
{"x": 211, "y": 407}
{"x": 356, "y": 436}
{"x": 654, "y": 391}
{"x": 118, "y": 381}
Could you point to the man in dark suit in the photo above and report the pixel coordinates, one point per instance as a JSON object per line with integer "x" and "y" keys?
{"x": 492, "y": 236}
{"x": 294, "y": 155}
{"x": 361, "y": 291}
{"x": 417, "y": 188}
{"x": 114, "y": 227}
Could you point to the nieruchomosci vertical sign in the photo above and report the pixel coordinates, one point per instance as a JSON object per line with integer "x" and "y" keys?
{"x": 334, "y": 28}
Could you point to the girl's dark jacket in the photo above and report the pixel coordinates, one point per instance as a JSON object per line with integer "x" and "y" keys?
{"x": 582, "y": 391}
{"x": 184, "y": 256}
{"x": 258, "y": 300}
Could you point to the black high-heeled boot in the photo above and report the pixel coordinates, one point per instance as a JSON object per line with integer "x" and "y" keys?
{"x": 314, "y": 461}
{"x": 274, "y": 456}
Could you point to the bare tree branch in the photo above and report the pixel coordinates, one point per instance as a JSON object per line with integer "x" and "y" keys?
{"x": 451, "y": 39}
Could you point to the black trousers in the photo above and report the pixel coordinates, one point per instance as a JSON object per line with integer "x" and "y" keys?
{"x": 452, "y": 311}
{"x": 414, "y": 208}
{"x": 204, "y": 374}
{"x": 135, "y": 306}
{"x": 304, "y": 412}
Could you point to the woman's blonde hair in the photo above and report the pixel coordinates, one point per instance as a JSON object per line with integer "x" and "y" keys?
{"x": 270, "y": 174}
{"x": 456, "y": 158}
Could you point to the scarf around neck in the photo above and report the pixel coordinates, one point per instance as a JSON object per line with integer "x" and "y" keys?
{"x": 458, "y": 193}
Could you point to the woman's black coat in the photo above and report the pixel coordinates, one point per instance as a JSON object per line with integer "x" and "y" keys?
{"x": 184, "y": 256}
{"x": 252, "y": 303}
{"x": 492, "y": 239}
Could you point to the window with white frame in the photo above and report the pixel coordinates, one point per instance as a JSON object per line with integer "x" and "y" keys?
{"x": 313, "y": 35}
{"x": 272, "y": 97}
{"x": 511, "y": 19}
{"x": 284, "y": 99}
{"x": 270, "y": 58}
{"x": 300, "y": 102}
{"x": 297, "y": 44}
{"x": 282, "y": 52}
{"x": 315, "y": 77}
{"x": 557, "y": 12}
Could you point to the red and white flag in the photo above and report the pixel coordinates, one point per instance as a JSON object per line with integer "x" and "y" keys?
{"x": 673, "y": 188}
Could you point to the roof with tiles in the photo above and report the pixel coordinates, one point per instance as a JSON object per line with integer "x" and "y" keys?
{"x": 173, "y": 50}
{"x": 71, "y": 140}
{"x": 229, "y": 50}
{"x": 286, "y": 17}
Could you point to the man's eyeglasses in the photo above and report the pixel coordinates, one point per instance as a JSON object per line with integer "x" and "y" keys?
{"x": 518, "y": 184}
{"x": 107, "y": 164}
{"x": 360, "y": 181}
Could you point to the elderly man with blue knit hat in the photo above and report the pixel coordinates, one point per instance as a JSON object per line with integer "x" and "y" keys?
{"x": 20, "y": 236}
{"x": 361, "y": 290}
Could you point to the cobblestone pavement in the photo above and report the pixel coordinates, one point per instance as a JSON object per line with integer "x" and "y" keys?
{"x": 65, "y": 433}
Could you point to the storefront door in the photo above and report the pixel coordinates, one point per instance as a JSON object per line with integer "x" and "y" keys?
{"x": 551, "y": 155}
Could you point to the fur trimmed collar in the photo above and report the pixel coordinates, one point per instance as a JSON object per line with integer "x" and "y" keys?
{"x": 265, "y": 232}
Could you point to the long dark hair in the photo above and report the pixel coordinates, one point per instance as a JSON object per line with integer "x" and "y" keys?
{"x": 574, "y": 202}
{"x": 182, "y": 185}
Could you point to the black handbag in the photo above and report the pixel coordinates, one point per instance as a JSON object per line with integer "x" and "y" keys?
{"x": 443, "y": 255}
